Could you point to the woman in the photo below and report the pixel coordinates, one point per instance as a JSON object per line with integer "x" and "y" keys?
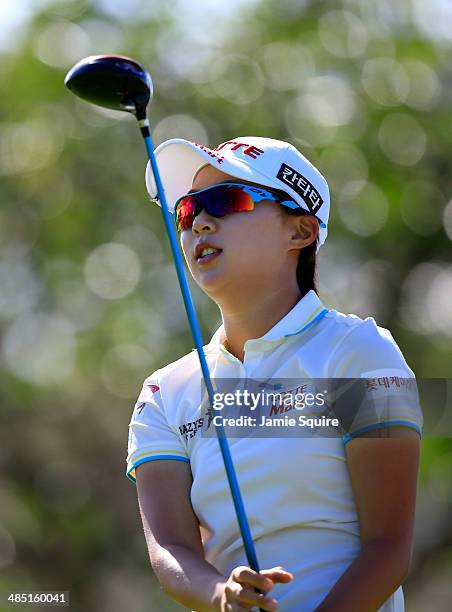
{"x": 331, "y": 516}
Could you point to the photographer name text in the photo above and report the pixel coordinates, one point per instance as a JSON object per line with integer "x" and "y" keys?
{"x": 285, "y": 421}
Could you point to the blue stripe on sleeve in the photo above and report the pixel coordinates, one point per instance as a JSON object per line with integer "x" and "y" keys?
{"x": 356, "y": 433}
{"x": 153, "y": 458}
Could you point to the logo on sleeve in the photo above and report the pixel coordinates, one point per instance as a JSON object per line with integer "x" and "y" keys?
{"x": 153, "y": 388}
{"x": 299, "y": 183}
{"x": 140, "y": 407}
{"x": 190, "y": 429}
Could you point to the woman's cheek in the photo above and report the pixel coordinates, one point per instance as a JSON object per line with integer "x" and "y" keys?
{"x": 252, "y": 248}
{"x": 186, "y": 247}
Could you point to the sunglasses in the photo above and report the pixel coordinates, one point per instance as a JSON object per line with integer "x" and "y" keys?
{"x": 222, "y": 199}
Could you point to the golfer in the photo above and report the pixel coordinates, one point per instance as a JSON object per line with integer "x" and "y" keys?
{"x": 331, "y": 516}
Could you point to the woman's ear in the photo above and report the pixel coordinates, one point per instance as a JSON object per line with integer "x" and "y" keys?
{"x": 305, "y": 230}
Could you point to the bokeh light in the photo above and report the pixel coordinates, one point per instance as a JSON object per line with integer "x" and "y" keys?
{"x": 180, "y": 126}
{"x": 343, "y": 34}
{"x": 177, "y": 62}
{"x": 29, "y": 146}
{"x": 52, "y": 191}
{"x": 363, "y": 207}
{"x": 303, "y": 127}
{"x": 447, "y": 219}
{"x": 112, "y": 271}
{"x": 119, "y": 369}
{"x": 230, "y": 73}
{"x": 40, "y": 348}
{"x": 20, "y": 289}
{"x": 287, "y": 65}
{"x": 426, "y": 296}
{"x": 110, "y": 33}
{"x": 161, "y": 281}
{"x": 328, "y": 100}
{"x": 143, "y": 241}
{"x": 433, "y": 20}
{"x": 61, "y": 44}
{"x": 343, "y": 163}
{"x": 422, "y": 205}
{"x": 19, "y": 229}
{"x": 402, "y": 139}
{"x": 66, "y": 9}
{"x": 385, "y": 81}
{"x": 353, "y": 283}
{"x": 424, "y": 85}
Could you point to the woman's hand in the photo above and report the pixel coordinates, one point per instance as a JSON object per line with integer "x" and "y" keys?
{"x": 238, "y": 592}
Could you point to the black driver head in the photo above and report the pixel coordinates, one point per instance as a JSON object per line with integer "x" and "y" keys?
{"x": 113, "y": 81}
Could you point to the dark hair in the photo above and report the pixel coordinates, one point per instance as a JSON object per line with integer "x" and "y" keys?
{"x": 306, "y": 268}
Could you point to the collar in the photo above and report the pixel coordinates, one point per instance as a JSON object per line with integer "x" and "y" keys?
{"x": 305, "y": 313}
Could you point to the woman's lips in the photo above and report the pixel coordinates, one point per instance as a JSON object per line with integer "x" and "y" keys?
{"x": 202, "y": 261}
{"x": 204, "y": 245}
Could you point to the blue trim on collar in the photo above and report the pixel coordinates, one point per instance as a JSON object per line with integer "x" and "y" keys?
{"x": 321, "y": 314}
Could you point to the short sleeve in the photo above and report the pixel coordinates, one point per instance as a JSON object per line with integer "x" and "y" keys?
{"x": 150, "y": 435}
{"x": 385, "y": 390}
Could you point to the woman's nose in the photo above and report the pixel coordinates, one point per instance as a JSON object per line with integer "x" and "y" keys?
{"x": 203, "y": 222}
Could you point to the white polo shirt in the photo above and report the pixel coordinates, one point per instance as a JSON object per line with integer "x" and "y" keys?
{"x": 296, "y": 491}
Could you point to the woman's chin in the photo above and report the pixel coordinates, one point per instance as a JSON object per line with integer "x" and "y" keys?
{"x": 221, "y": 282}
{"x": 211, "y": 282}
{"x": 217, "y": 283}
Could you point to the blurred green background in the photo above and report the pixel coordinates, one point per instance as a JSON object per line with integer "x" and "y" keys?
{"x": 89, "y": 301}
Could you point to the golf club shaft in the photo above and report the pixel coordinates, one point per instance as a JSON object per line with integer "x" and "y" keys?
{"x": 119, "y": 82}
{"x": 224, "y": 446}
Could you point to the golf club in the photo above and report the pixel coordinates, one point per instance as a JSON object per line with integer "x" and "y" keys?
{"x": 120, "y": 83}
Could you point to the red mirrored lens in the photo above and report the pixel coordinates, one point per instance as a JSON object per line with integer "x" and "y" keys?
{"x": 218, "y": 202}
{"x": 238, "y": 200}
{"x": 185, "y": 213}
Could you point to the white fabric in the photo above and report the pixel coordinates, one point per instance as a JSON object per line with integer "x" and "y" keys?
{"x": 297, "y": 492}
{"x": 265, "y": 161}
